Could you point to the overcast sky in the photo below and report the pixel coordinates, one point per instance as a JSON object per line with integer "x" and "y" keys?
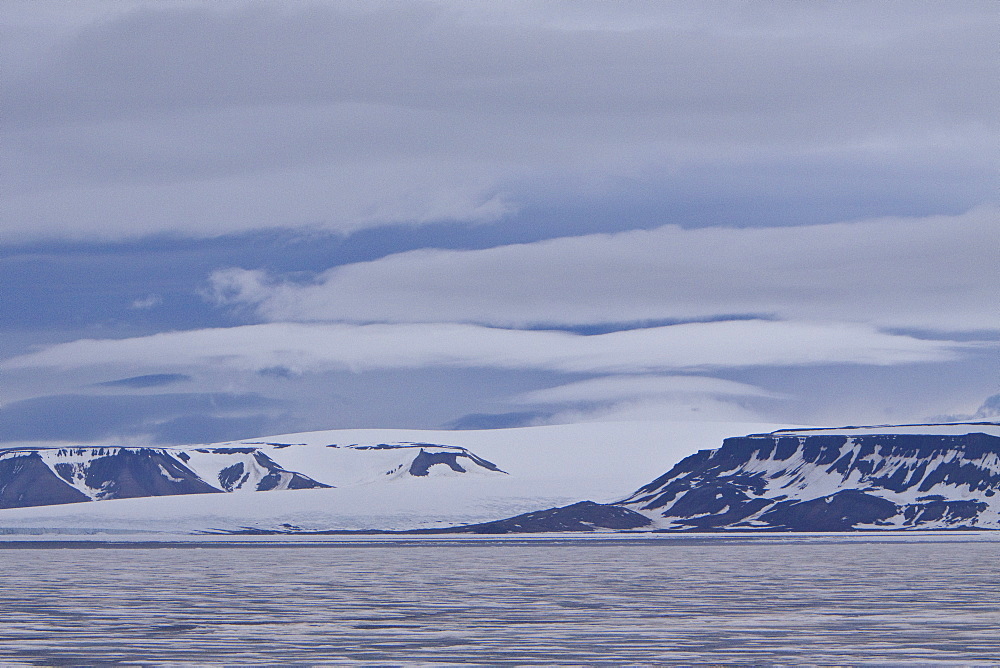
{"x": 225, "y": 219}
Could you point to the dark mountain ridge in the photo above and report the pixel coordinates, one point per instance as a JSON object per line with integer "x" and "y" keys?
{"x": 38, "y": 476}
{"x": 833, "y": 480}
{"x": 848, "y": 479}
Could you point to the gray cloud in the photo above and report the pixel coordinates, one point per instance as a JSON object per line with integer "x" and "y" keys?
{"x": 499, "y": 420}
{"x": 619, "y": 388}
{"x": 428, "y": 56}
{"x": 337, "y": 347}
{"x": 190, "y": 118}
{"x": 934, "y": 273}
{"x": 167, "y": 418}
{"x": 650, "y": 397}
{"x": 148, "y": 380}
{"x": 210, "y": 118}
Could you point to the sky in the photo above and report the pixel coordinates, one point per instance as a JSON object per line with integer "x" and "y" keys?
{"x": 224, "y": 219}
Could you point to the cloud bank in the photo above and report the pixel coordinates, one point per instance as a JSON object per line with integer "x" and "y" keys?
{"x": 193, "y": 118}
{"x": 319, "y": 347}
{"x": 644, "y": 397}
{"x": 296, "y": 148}
{"x": 157, "y": 418}
{"x": 619, "y": 388}
{"x": 935, "y": 273}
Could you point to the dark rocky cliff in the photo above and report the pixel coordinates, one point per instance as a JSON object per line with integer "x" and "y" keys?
{"x": 804, "y": 481}
{"x": 809, "y": 480}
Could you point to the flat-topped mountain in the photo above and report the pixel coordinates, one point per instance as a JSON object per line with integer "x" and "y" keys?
{"x": 890, "y": 477}
{"x": 932, "y": 476}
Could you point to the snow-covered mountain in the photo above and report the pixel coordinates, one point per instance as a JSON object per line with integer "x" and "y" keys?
{"x": 523, "y": 480}
{"x": 376, "y": 487}
{"x": 887, "y": 477}
{"x": 58, "y": 475}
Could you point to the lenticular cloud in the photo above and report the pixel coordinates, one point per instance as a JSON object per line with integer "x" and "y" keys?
{"x": 321, "y": 347}
{"x": 936, "y": 273}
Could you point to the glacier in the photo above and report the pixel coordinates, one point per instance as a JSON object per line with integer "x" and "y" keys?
{"x": 555, "y": 478}
{"x": 361, "y": 484}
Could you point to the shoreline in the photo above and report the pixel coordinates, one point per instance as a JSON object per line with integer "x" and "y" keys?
{"x": 191, "y": 541}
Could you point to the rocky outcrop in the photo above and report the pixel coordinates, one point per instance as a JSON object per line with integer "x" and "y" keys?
{"x": 25, "y": 480}
{"x": 582, "y": 516}
{"x": 832, "y": 480}
{"x": 453, "y": 459}
{"x": 47, "y": 476}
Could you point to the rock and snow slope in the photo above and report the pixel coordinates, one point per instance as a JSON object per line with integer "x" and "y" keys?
{"x": 889, "y": 477}
{"x": 52, "y": 476}
{"x": 380, "y": 487}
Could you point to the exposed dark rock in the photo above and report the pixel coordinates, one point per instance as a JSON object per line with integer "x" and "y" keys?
{"x": 582, "y": 516}
{"x": 953, "y": 512}
{"x": 232, "y": 477}
{"x": 143, "y": 472}
{"x": 25, "y": 480}
{"x": 578, "y": 517}
{"x": 229, "y": 451}
{"x": 766, "y": 481}
{"x": 82, "y": 473}
{"x": 276, "y": 474}
{"x": 425, "y": 460}
{"x": 837, "y": 512}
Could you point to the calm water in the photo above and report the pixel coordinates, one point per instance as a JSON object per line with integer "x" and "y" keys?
{"x": 752, "y": 601}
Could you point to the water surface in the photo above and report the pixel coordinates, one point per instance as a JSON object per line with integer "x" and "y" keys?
{"x": 785, "y": 600}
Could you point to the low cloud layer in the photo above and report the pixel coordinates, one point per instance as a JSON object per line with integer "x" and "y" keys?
{"x": 646, "y": 397}
{"x": 150, "y": 380}
{"x": 620, "y": 388}
{"x": 934, "y": 273}
{"x": 167, "y": 418}
{"x": 318, "y": 347}
{"x": 680, "y": 408}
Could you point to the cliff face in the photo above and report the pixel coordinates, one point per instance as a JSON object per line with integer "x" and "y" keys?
{"x": 829, "y": 481}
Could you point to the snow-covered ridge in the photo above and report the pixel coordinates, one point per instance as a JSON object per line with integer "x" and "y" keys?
{"x": 883, "y": 477}
{"x": 545, "y": 467}
{"x": 34, "y": 476}
{"x": 939, "y": 428}
{"x": 893, "y": 477}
